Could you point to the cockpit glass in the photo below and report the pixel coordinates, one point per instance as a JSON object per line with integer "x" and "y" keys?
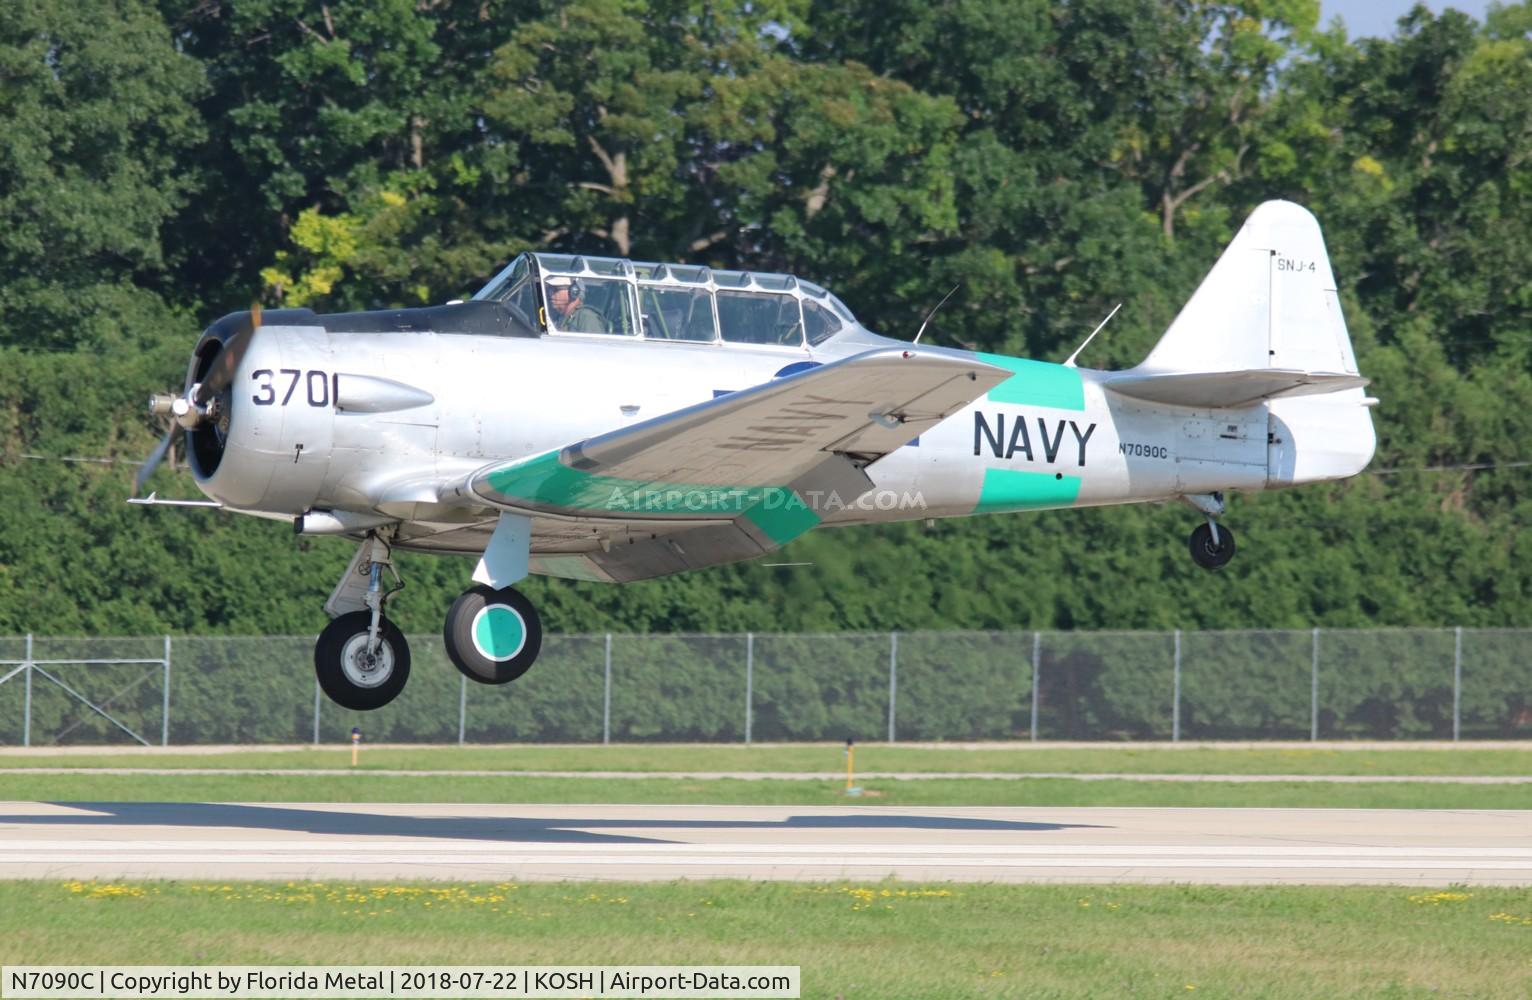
{"x": 501, "y": 285}
{"x": 821, "y": 323}
{"x": 589, "y": 305}
{"x": 759, "y": 318}
{"x": 672, "y": 313}
{"x": 666, "y": 301}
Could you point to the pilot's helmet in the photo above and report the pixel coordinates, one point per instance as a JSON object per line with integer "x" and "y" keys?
{"x": 575, "y": 285}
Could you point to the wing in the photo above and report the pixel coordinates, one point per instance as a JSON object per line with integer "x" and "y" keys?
{"x": 731, "y": 478}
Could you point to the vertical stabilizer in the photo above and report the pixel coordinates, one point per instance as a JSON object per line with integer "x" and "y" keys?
{"x": 1269, "y": 302}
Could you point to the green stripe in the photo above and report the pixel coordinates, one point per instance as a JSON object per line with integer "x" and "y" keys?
{"x": 783, "y": 522}
{"x": 776, "y": 510}
{"x": 1037, "y": 383}
{"x": 1010, "y": 489}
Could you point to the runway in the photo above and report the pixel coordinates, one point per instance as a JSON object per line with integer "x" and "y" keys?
{"x": 282, "y": 841}
{"x": 1236, "y": 779}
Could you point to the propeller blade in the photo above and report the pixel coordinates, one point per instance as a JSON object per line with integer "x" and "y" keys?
{"x": 227, "y": 362}
{"x": 155, "y": 458}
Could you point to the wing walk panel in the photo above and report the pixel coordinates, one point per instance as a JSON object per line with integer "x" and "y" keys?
{"x": 770, "y": 433}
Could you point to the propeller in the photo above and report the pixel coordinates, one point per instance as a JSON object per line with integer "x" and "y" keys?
{"x": 202, "y": 402}
{"x": 226, "y": 363}
{"x": 155, "y": 457}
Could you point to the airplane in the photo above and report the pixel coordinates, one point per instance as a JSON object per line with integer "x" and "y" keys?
{"x": 603, "y": 419}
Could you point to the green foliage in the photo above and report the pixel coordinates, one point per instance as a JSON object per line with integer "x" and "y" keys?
{"x": 95, "y": 109}
{"x": 162, "y": 164}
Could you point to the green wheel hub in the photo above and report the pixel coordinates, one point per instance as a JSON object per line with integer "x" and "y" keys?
{"x": 499, "y": 632}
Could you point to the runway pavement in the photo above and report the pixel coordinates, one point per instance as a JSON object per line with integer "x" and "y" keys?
{"x": 1237, "y": 779}
{"x": 608, "y": 842}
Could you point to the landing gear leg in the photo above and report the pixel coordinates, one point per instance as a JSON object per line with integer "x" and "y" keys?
{"x": 1211, "y": 546}
{"x": 362, "y": 660}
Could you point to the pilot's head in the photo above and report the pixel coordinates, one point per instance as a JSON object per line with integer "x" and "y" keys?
{"x": 564, "y": 293}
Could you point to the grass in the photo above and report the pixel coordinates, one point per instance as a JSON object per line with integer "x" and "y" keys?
{"x": 1447, "y": 760}
{"x": 850, "y": 940}
{"x": 365, "y": 787}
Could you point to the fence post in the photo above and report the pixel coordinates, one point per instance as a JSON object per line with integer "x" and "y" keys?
{"x": 606, "y": 696}
{"x": 893, "y": 679}
{"x": 749, "y": 682}
{"x": 165, "y": 703}
{"x": 1037, "y": 664}
{"x": 316, "y": 711}
{"x": 1314, "y": 690}
{"x": 1457, "y": 683}
{"x": 26, "y": 712}
{"x": 462, "y": 707}
{"x": 1175, "y": 705}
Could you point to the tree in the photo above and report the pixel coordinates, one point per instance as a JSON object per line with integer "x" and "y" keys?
{"x": 95, "y": 112}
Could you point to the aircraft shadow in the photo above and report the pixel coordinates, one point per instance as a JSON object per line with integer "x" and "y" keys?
{"x": 526, "y": 830}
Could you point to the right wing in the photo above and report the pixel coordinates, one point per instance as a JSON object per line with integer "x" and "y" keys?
{"x": 732, "y": 478}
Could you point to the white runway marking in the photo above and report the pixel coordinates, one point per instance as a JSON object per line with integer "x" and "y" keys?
{"x": 990, "y": 844}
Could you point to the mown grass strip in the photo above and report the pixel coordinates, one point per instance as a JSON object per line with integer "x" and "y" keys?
{"x": 881, "y": 939}
{"x": 365, "y": 787}
{"x": 1447, "y": 760}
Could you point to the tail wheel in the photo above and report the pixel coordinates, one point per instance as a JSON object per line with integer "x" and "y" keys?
{"x": 1207, "y": 553}
{"x": 354, "y": 675}
{"x": 493, "y": 636}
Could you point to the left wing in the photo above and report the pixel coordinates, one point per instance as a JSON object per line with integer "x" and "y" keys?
{"x": 736, "y": 476}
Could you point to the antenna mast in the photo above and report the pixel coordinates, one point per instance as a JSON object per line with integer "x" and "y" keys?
{"x": 933, "y": 311}
{"x": 1071, "y": 362}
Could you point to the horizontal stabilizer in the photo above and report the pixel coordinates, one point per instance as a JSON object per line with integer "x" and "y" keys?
{"x": 1229, "y": 389}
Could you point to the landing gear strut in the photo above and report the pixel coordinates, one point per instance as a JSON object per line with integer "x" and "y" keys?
{"x": 492, "y": 635}
{"x": 1212, "y": 546}
{"x": 362, "y": 660}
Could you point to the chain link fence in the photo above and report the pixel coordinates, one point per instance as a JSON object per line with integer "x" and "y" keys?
{"x": 1329, "y": 684}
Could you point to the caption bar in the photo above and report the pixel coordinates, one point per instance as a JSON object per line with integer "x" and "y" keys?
{"x": 345, "y": 981}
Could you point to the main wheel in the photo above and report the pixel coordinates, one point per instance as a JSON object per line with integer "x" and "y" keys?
{"x": 1207, "y": 554}
{"x": 352, "y": 676}
{"x": 493, "y": 636}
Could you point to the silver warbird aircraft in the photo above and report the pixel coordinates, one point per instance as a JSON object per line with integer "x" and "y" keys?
{"x": 611, "y": 420}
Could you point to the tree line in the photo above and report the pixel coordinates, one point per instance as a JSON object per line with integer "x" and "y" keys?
{"x": 162, "y": 163}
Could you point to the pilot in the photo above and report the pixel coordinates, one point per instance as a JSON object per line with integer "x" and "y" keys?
{"x": 566, "y": 297}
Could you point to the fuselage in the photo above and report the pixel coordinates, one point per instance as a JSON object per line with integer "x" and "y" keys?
{"x": 1051, "y": 436}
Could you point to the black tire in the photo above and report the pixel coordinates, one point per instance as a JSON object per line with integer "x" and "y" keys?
{"x": 483, "y": 616}
{"x": 1205, "y": 553}
{"x": 352, "y": 684}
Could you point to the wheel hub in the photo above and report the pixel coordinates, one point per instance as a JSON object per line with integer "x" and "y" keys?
{"x": 498, "y": 632}
{"x": 366, "y": 667}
